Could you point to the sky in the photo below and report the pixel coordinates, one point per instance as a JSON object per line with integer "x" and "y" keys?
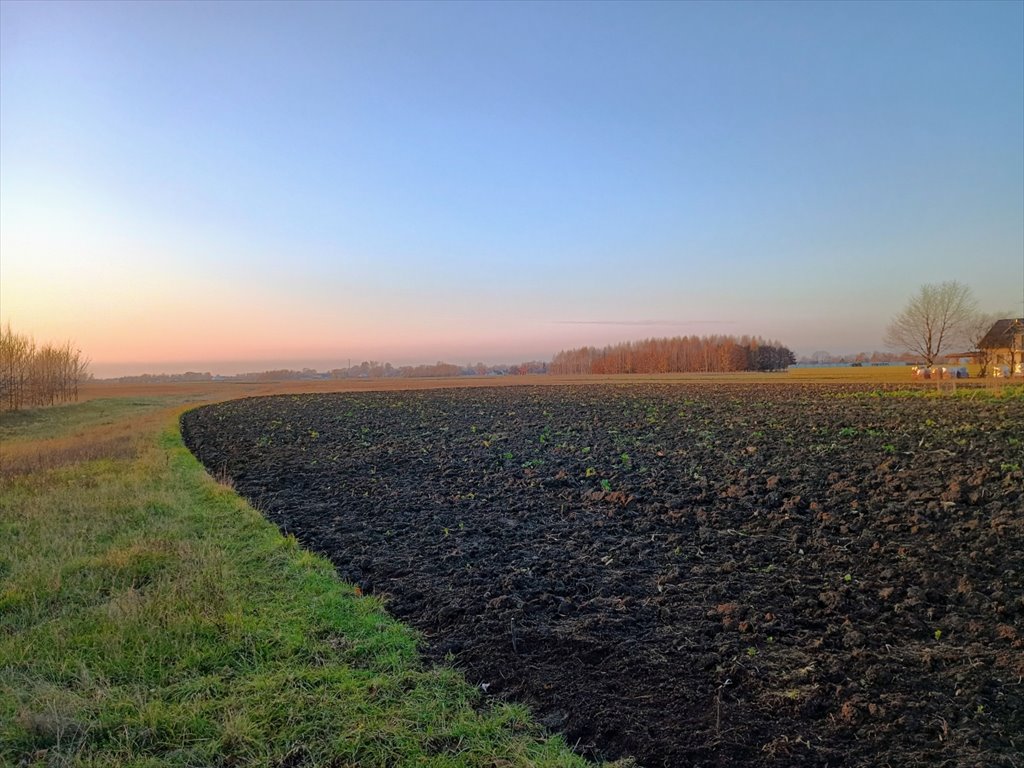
{"x": 231, "y": 187}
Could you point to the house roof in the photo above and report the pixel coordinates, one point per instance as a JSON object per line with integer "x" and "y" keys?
{"x": 1000, "y": 334}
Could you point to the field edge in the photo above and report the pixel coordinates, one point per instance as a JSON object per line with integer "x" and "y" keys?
{"x": 172, "y": 624}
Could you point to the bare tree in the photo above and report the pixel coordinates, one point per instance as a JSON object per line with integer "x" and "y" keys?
{"x": 977, "y": 328}
{"x": 935, "y": 318}
{"x": 31, "y": 375}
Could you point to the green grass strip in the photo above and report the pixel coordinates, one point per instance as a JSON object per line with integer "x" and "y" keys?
{"x": 61, "y": 420}
{"x": 946, "y": 389}
{"x": 148, "y": 616}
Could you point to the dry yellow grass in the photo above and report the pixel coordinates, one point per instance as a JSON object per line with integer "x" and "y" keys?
{"x": 119, "y": 440}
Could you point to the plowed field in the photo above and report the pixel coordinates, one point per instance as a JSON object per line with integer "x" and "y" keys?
{"x": 788, "y": 575}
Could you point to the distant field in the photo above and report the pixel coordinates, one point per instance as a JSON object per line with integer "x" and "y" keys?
{"x": 211, "y": 391}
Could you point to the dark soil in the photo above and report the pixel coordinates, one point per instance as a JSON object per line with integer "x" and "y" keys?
{"x": 788, "y": 575}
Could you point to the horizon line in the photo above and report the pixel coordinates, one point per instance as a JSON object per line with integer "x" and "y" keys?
{"x": 644, "y": 322}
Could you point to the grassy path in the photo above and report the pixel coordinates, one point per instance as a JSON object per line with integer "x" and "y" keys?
{"x": 148, "y": 616}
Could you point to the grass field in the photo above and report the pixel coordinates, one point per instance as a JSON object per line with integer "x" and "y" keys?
{"x": 148, "y": 616}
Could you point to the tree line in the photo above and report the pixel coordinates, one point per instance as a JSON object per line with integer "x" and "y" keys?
{"x": 824, "y": 357}
{"x": 373, "y": 369}
{"x": 33, "y": 375}
{"x": 680, "y": 354}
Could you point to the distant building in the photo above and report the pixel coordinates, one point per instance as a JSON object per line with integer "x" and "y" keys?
{"x": 1004, "y": 343}
{"x": 963, "y": 358}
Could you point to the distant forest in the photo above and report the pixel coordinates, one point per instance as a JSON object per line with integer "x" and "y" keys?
{"x": 755, "y": 354}
{"x": 686, "y": 354}
{"x": 681, "y": 354}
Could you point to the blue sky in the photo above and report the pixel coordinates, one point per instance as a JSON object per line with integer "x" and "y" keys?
{"x": 225, "y": 185}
